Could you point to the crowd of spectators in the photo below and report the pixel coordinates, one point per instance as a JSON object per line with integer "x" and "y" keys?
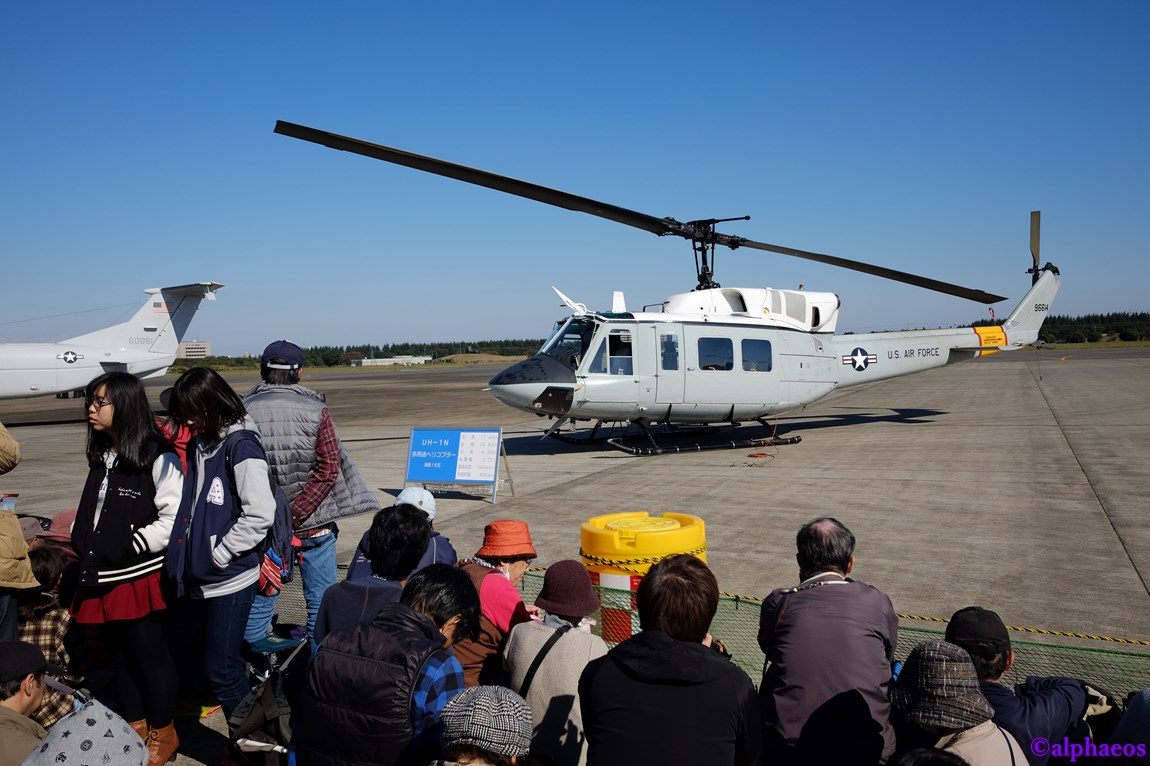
{"x": 420, "y": 658}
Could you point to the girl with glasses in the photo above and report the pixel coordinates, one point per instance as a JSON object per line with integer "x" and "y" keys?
{"x": 123, "y": 523}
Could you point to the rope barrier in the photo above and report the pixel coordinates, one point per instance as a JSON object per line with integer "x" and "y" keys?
{"x": 1042, "y": 631}
{"x": 759, "y": 600}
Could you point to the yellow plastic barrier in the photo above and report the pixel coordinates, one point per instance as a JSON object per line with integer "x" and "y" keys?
{"x": 619, "y": 548}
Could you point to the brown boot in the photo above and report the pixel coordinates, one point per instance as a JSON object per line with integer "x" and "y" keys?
{"x": 141, "y": 728}
{"x": 162, "y": 745}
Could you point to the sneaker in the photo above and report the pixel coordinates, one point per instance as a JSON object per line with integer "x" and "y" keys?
{"x": 273, "y": 644}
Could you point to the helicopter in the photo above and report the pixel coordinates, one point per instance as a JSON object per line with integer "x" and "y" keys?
{"x": 715, "y": 355}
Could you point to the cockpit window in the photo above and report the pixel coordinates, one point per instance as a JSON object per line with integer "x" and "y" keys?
{"x": 570, "y": 340}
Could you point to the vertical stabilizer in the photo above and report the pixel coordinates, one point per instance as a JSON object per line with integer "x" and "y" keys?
{"x": 159, "y": 325}
{"x": 1023, "y": 324}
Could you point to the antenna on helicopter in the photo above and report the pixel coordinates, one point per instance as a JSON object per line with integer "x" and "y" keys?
{"x": 703, "y": 243}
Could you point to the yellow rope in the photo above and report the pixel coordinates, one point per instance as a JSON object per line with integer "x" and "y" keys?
{"x": 626, "y": 564}
{"x": 1042, "y": 631}
{"x": 621, "y": 564}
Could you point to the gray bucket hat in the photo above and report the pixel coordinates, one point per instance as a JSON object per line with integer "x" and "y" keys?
{"x": 938, "y": 688}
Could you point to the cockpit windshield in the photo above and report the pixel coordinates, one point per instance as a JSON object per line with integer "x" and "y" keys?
{"x": 569, "y": 340}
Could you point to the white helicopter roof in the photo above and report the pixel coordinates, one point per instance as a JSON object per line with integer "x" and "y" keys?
{"x": 796, "y": 309}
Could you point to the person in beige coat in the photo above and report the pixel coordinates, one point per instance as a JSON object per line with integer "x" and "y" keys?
{"x": 936, "y": 702}
{"x": 552, "y": 691}
{"x": 9, "y": 451}
{"x": 15, "y": 571}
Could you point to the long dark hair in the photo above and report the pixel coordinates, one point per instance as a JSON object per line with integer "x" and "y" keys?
{"x": 133, "y": 423}
{"x": 200, "y": 394}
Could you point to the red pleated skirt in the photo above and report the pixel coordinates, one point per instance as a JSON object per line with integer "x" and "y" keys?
{"x": 124, "y": 601}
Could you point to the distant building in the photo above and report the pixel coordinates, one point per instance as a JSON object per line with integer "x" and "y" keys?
{"x": 194, "y": 349}
{"x": 389, "y": 361}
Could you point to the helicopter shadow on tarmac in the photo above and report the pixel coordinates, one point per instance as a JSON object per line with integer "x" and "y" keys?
{"x": 786, "y": 426}
{"x": 868, "y": 415}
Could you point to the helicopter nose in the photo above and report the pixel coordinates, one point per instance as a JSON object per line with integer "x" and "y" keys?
{"x": 539, "y": 384}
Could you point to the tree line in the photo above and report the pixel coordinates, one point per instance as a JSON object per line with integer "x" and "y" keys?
{"x": 1092, "y": 328}
{"x": 335, "y": 356}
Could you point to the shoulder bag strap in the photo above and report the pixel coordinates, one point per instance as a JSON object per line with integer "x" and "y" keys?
{"x": 1009, "y": 748}
{"x": 527, "y": 679}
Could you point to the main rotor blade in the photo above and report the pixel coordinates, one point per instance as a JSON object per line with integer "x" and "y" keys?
{"x": 659, "y": 226}
{"x": 481, "y": 178}
{"x": 880, "y": 271}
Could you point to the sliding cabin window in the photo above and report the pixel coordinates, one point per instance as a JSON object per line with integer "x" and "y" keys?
{"x": 756, "y": 355}
{"x": 716, "y": 354}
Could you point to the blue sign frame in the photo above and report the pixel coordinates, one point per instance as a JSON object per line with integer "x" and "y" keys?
{"x": 454, "y": 456}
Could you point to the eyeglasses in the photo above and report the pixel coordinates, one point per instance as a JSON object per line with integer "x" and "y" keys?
{"x": 99, "y": 404}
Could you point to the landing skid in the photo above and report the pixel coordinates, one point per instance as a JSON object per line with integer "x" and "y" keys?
{"x": 604, "y": 431}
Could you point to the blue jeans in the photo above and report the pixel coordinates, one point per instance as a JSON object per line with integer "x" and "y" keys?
{"x": 317, "y": 568}
{"x": 224, "y": 620}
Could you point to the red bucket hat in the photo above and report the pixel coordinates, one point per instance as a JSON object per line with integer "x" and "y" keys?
{"x": 506, "y": 538}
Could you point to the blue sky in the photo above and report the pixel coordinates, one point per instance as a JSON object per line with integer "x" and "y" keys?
{"x": 137, "y": 151}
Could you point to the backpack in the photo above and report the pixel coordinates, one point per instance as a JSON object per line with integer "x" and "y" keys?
{"x": 89, "y": 734}
{"x": 261, "y": 723}
{"x": 276, "y": 567}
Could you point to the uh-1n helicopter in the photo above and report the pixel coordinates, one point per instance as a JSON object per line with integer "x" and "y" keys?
{"x": 715, "y": 355}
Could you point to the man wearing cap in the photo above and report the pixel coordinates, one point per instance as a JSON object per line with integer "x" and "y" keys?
{"x": 497, "y": 568}
{"x": 439, "y": 549}
{"x": 936, "y": 703}
{"x": 319, "y": 477}
{"x": 546, "y": 658}
{"x": 829, "y": 643}
{"x": 22, "y": 669}
{"x": 1048, "y": 707}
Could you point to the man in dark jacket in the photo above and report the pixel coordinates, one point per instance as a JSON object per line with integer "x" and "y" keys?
{"x": 663, "y": 695}
{"x": 829, "y": 643}
{"x": 1044, "y": 707}
{"x": 396, "y": 538}
{"x": 375, "y": 690}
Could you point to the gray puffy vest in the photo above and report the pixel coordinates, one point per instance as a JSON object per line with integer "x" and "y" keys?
{"x": 288, "y": 419}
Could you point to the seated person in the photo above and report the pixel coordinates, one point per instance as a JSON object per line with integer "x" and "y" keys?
{"x": 439, "y": 549}
{"x": 48, "y": 626}
{"x": 634, "y": 699}
{"x": 936, "y": 703}
{"x": 496, "y": 569}
{"x": 375, "y": 690}
{"x": 398, "y": 537}
{"x": 488, "y": 725}
{"x": 22, "y": 670}
{"x": 568, "y": 598}
{"x": 1049, "y": 707}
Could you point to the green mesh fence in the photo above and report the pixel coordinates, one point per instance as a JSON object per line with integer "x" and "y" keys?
{"x": 736, "y": 624}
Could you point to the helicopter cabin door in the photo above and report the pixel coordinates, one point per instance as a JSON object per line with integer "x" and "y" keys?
{"x": 669, "y": 363}
{"x": 611, "y": 369}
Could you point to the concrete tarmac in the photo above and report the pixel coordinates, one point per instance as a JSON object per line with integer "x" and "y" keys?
{"x": 1015, "y": 482}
